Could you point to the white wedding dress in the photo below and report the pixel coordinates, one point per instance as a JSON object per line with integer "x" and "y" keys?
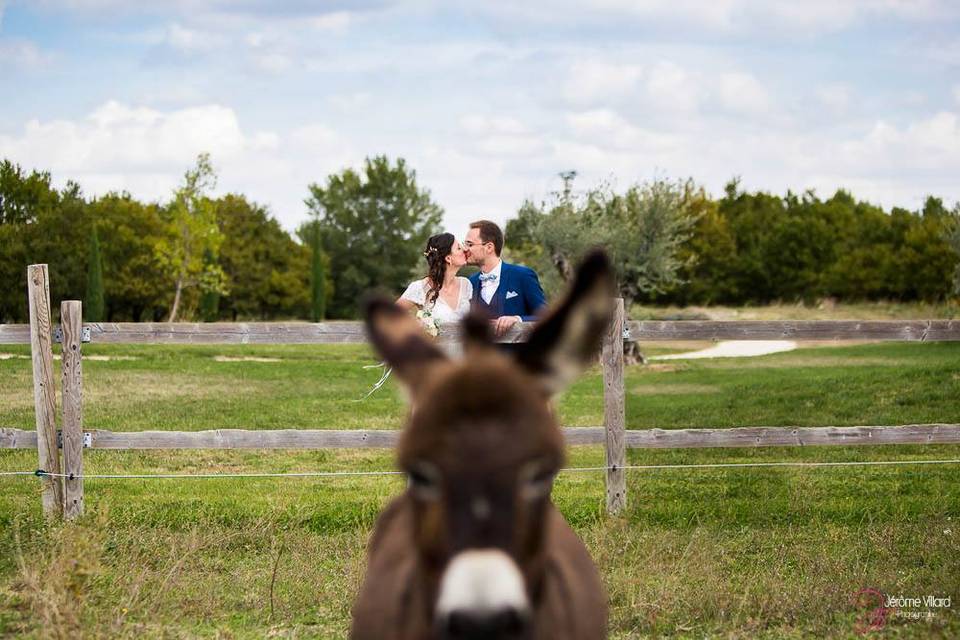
{"x": 441, "y": 311}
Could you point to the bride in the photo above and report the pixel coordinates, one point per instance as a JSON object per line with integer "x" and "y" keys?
{"x": 442, "y": 293}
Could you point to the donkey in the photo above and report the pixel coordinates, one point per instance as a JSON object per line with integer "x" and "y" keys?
{"x": 474, "y": 548}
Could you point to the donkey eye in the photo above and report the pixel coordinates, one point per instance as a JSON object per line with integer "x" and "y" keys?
{"x": 539, "y": 483}
{"x": 424, "y": 481}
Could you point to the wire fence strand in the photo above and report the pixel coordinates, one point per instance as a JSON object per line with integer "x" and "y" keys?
{"x": 337, "y": 474}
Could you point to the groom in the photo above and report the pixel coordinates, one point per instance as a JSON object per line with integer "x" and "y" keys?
{"x": 508, "y": 293}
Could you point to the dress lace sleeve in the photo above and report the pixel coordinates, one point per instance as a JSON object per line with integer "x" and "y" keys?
{"x": 415, "y": 293}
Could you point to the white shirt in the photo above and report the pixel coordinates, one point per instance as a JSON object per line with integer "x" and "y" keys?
{"x": 489, "y": 287}
{"x": 442, "y": 312}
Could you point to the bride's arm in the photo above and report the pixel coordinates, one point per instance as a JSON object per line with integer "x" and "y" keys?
{"x": 409, "y": 305}
{"x": 413, "y": 298}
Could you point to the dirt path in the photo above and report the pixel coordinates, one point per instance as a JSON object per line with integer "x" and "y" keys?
{"x": 734, "y": 349}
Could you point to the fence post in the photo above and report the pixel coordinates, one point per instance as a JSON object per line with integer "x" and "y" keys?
{"x": 71, "y": 314}
{"x": 44, "y": 399}
{"x": 614, "y": 413}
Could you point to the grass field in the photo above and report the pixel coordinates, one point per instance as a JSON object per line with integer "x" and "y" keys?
{"x": 738, "y": 553}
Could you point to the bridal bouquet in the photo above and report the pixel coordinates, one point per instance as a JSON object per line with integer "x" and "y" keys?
{"x": 429, "y": 323}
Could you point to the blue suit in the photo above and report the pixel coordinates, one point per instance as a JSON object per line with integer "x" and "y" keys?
{"x": 518, "y": 293}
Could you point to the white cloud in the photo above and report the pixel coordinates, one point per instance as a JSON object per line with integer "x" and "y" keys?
{"x": 484, "y": 125}
{"x": 351, "y": 102}
{"x": 887, "y": 164}
{"x": 742, "y": 92}
{"x": 610, "y": 130}
{"x": 931, "y": 144}
{"x": 501, "y": 136}
{"x": 835, "y": 97}
{"x": 671, "y": 88}
{"x": 22, "y": 54}
{"x": 593, "y": 81}
{"x": 728, "y": 17}
{"x": 337, "y": 22}
{"x": 956, "y": 94}
{"x": 190, "y": 41}
{"x": 145, "y": 151}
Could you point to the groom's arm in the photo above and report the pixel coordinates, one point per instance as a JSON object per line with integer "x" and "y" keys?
{"x": 533, "y": 295}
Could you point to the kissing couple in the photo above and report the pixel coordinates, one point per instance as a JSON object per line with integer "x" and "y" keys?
{"x": 508, "y": 294}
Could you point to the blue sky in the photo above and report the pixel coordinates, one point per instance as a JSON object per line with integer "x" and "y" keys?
{"x": 488, "y": 101}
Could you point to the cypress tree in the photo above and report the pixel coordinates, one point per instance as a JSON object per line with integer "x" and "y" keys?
{"x": 318, "y": 306}
{"x": 93, "y": 304}
{"x": 209, "y": 297}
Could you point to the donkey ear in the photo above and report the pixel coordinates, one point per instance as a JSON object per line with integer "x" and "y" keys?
{"x": 567, "y": 340}
{"x": 475, "y": 332}
{"x": 400, "y": 340}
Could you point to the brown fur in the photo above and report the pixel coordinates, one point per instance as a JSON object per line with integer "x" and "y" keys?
{"x": 482, "y": 431}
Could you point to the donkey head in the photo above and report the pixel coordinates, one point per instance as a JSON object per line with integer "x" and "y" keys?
{"x": 482, "y": 447}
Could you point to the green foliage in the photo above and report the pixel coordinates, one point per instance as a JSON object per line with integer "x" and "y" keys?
{"x": 759, "y": 248}
{"x": 373, "y": 227}
{"x": 266, "y": 270}
{"x": 24, "y": 198}
{"x": 39, "y": 224}
{"x": 93, "y": 306}
{"x": 952, "y": 234}
{"x": 318, "y": 293}
{"x": 130, "y": 232}
{"x": 192, "y": 234}
{"x": 643, "y": 230}
{"x": 209, "y": 298}
{"x": 226, "y": 258}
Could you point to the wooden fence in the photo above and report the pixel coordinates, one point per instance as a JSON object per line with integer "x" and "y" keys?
{"x": 66, "y": 497}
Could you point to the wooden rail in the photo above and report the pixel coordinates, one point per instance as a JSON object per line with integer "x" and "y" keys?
{"x": 387, "y": 438}
{"x": 349, "y": 332}
{"x": 613, "y": 435}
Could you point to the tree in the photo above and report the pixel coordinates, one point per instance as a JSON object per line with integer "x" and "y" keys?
{"x": 374, "y": 225}
{"x": 210, "y": 297}
{"x": 130, "y": 233}
{"x": 708, "y": 258}
{"x": 24, "y": 198}
{"x": 952, "y": 236}
{"x": 93, "y": 306}
{"x": 192, "y": 235}
{"x": 267, "y": 271}
{"x": 642, "y": 230}
{"x": 318, "y": 294}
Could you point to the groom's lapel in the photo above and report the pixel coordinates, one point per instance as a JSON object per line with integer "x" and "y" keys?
{"x": 505, "y": 283}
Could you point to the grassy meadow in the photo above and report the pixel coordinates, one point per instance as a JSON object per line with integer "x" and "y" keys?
{"x": 738, "y": 553}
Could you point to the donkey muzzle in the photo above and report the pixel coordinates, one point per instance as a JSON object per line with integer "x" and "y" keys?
{"x": 482, "y": 595}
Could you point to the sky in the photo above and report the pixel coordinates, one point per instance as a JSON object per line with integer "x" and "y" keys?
{"x": 487, "y": 100}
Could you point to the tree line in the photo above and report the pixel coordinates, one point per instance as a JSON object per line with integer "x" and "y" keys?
{"x": 206, "y": 258}
{"x": 673, "y": 244}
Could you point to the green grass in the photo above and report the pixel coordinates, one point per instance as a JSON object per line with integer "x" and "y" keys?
{"x": 737, "y": 553}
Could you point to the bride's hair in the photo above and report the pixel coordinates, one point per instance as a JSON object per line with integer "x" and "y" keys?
{"x": 438, "y": 248}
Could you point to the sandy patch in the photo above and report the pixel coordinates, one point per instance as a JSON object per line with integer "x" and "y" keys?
{"x": 674, "y": 389}
{"x": 141, "y": 386}
{"x": 245, "y": 359}
{"x": 734, "y": 349}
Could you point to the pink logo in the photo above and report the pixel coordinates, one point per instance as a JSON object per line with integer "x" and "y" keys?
{"x": 874, "y": 612}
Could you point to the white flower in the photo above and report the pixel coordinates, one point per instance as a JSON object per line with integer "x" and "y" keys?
{"x": 430, "y": 324}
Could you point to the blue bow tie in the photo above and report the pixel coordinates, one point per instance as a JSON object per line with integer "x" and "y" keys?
{"x": 488, "y": 277}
